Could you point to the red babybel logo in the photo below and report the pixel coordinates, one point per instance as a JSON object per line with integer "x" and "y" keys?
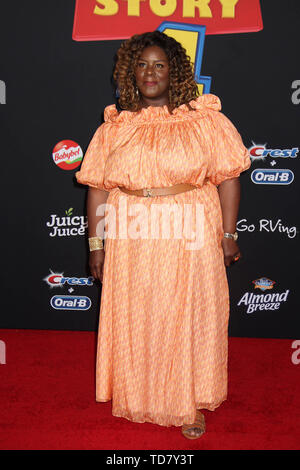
{"x": 67, "y": 154}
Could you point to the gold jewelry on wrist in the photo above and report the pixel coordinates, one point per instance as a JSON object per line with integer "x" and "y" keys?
{"x": 95, "y": 243}
{"x": 234, "y": 235}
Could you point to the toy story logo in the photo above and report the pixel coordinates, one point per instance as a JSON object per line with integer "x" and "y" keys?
{"x": 186, "y": 20}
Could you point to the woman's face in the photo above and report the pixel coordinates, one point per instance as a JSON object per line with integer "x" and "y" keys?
{"x": 152, "y": 76}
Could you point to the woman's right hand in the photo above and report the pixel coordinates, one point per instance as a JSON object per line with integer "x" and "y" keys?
{"x": 96, "y": 263}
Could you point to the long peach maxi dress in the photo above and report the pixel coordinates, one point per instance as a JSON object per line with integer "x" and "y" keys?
{"x": 163, "y": 328}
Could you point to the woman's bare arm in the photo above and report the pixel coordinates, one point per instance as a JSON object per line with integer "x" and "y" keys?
{"x": 95, "y": 198}
{"x": 229, "y": 194}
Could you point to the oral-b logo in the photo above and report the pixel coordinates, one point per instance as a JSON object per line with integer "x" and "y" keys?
{"x": 272, "y": 176}
{"x": 70, "y": 302}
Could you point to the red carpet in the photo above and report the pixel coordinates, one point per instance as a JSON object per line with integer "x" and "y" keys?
{"x": 48, "y": 400}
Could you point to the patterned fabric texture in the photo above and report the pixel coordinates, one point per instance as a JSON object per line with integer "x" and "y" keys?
{"x": 163, "y": 327}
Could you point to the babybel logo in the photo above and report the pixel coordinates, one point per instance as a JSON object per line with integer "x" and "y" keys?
{"x": 120, "y": 19}
{"x": 67, "y": 154}
{"x": 268, "y": 176}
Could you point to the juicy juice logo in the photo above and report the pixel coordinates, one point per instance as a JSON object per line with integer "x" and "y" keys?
{"x": 67, "y": 226}
{"x": 67, "y": 154}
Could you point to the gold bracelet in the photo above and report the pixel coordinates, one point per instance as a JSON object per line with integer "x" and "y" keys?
{"x": 95, "y": 243}
{"x": 234, "y": 235}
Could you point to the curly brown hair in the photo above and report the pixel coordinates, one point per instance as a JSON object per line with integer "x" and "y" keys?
{"x": 182, "y": 88}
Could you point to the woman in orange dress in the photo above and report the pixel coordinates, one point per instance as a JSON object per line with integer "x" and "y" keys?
{"x": 163, "y": 328}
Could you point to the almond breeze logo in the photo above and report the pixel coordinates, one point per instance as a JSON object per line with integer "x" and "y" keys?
{"x": 267, "y": 301}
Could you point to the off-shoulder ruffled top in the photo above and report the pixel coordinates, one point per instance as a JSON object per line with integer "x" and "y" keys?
{"x": 156, "y": 148}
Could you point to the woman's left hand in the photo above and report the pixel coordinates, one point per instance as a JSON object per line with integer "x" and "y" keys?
{"x": 231, "y": 251}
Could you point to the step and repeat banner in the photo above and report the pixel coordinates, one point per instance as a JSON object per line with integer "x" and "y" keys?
{"x": 55, "y": 80}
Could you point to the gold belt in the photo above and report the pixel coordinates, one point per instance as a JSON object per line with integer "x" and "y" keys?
{"x": 151, "y": 192}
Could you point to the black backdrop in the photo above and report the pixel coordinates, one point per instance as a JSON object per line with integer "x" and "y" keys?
{"x": 54, "y": 89}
